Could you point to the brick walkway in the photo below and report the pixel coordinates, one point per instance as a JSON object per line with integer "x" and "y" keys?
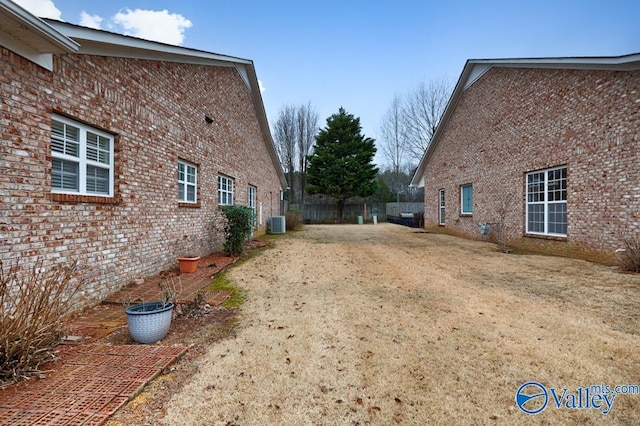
{"x": 90, "y": 384}
{"x": 93, "y": 380}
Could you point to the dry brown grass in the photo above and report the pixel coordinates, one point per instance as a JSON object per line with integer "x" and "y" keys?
{"x": 629, "y": 255}
{"x": 381, "y": 325}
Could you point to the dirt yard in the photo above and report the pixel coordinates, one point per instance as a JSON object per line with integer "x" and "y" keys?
{"x": 384, "y": 324}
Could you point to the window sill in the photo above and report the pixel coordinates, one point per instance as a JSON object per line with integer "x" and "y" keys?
{"x": 546, "y": 237}
{"x": 189, "y": 205}
{"x": 76, "y": 199}
{"x": 466, "y": 214}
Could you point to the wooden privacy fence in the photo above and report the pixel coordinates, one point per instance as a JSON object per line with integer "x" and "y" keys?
{"x": 396, "y": 209}
{"x": 328, "y": 213}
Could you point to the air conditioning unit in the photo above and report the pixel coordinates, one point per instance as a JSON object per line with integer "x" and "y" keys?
{"x": 277, "y": 225}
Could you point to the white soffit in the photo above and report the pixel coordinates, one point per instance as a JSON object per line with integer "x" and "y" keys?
{"x": 31, "y": 37}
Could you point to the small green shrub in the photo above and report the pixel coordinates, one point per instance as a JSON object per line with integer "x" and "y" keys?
{"x": 293, "y": 219}
{"x": 238, "y": 222}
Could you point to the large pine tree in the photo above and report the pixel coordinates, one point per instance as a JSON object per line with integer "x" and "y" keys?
{"x": 342, "y": 163}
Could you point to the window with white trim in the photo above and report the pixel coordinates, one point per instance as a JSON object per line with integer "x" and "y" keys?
{"x": 187, "y": 182}
{"x": 441, "y": 210}
{"x": 225, "y": 191}
{"x": 251, "y": 203}
{"x": 81, "y": 159}
{"x": 547, "y": 202}
{"x": 466, "y": 199}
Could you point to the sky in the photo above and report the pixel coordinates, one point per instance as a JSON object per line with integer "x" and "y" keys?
{"x": 359, "y": 54}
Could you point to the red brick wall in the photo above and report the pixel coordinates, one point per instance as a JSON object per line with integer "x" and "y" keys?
{"x": 156, "y": 110}
{"x": 513, "y": 121}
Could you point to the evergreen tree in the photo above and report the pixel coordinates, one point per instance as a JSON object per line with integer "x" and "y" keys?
{"x": 342, "y": 164}
{"x": 383, "y": 194}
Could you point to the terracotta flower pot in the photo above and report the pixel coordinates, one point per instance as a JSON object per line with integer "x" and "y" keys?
{"x": 188, "y": 264}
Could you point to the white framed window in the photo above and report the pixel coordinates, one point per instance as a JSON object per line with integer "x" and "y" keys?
{"x": 466, "y": 199}
{"x": 82, "y": 159}
{"x": 441, "y": 210}
{"x": 251, "y": 203}
{"x": 225, "y": 191}
{"x": 187, "y": 182}
{"x": 547, "y": 202}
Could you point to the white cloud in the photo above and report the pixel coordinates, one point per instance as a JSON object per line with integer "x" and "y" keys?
{"x": 41, "y": 8}
{"x": 91, "y": 21}
{"x": 154, "y": 25}
{"x": 261, "y": 86}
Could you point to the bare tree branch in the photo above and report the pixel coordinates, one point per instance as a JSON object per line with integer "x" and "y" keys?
{"x": 393, "y": 142}
{"x": 422, "y": 111}
{"x": 285, "y": 140}
{"x": 294, "y": 136}
{"x": 307, "y": 127}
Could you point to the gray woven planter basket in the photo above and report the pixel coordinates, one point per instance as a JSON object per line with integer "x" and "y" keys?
{"x": 149, "y": 322}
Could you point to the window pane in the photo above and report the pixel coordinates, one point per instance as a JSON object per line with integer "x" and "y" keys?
{"x": 558, "y": 218}
{"x": 535, "y": 218}
{"x": 441, "y": 212}
{"x": 65, "y": 139}
{"x": 97, "y": 180}
{"x": 98, "y": 148}
{"x": 191, "y": 174}
{"x": 251, "y": 197}
{"x": 557, "y": 184}
{"x": 64, "y": 174}
{"x": 535, "y": 187}
{"x": 191, "y": 193}
{"x": 57, "y": 136}
{"x": 92, "y": 146}
{"x": 467, "y": 199}
{"x": 181, "y": 191}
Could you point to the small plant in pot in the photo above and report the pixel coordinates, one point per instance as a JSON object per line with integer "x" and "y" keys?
{"x": 149, "y": 322}
{"x": 189, "y": 263}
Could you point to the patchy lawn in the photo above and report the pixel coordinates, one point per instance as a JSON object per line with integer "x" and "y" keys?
{"x": 383, "y": 324}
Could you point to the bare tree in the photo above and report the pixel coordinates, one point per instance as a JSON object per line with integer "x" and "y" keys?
{"x": 285, "y": 140}
{"x": 307, "y": 129}
{"x": 422, "y": 112}
{"x": 393, "y": 143}
{"x": 294, "y": 134}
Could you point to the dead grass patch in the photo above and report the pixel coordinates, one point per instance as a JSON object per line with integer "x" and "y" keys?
{"x": 380, "y": 325}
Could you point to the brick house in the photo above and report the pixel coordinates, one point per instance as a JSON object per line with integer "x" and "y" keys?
{"x": 547, "y": 150}
{"x": 118, "y": 151}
